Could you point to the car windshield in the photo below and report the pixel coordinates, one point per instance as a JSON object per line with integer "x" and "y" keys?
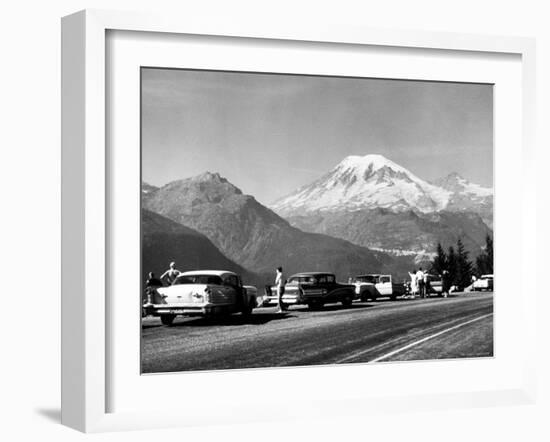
{"x": 367, "y": 278}
{"x": 198, "y": 279}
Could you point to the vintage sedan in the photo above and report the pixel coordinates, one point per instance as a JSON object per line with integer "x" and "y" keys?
{"x": 202, "y": 293}
{"x": 314, "y": 289}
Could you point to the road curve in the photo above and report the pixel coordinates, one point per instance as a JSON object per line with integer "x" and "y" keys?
{"x": 458, "y": 326}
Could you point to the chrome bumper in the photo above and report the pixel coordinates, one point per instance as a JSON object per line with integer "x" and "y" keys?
{"x": 184, "y": 309}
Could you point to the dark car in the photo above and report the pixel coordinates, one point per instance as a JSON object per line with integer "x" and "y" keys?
{"x": 313, "y": 289}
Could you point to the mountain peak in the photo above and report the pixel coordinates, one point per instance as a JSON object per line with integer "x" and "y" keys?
{"x": 209, "y": 176}
{"x": 365, "y": 182}
{"x": 373, "y": 161}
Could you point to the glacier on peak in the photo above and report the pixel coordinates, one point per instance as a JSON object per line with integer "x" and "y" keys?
{"x": 359, "y": 182}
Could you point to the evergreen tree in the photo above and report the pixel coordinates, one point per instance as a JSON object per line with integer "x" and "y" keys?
{"x": 440, "y": 261}
{"x": 489, "y": 251}
{"x": 463, "y": 266}
{"x": 451, "y": 265}
{"x": 484, "y": 262}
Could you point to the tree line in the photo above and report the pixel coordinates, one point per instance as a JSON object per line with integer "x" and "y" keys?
{"x": 456, "y": 261}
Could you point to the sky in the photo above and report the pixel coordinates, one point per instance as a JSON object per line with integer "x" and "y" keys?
{"x": 269, "y": 134}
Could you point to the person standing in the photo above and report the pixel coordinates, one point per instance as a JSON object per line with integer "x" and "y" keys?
{"x": 445, "y": 283}
{"x": 426, "y": 284}
{"x": 280, "y": 284}
{"x": 420, "y": 282}
{"x": 151, "y": 285}
{"x": 152, "y": 281}
{"x": 171, "y": 274}
{"x": 414, "y": 284}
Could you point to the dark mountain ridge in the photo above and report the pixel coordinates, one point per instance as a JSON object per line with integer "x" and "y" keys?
{"x": 164, "y": 241}
{"x": 255, "y": 237}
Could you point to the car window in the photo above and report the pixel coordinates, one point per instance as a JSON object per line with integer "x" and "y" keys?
{"x": 384, "y": 279}
{"x": 367, "y": 278}
{"x": 321, "y": 280}
{"x": 198, "y": 279}
{"x": 231, "y": 280}
{"x": 331, "y": 279}
{"x": 301, "y": 279}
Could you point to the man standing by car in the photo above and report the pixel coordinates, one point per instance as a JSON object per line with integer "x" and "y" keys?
{"x": 171, "y": 274}
{"x": 151, "y": 285}
{"x": 280, "y": 284}
{"x": 421, "y": 285}
{"x": 445, "y": 283}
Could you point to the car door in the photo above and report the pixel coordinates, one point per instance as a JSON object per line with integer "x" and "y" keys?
{"x": 384, "y": 285}
{"x": 322, "y": 286}
{"x": 331, "y": 286}
{"x": 229, "y": 288}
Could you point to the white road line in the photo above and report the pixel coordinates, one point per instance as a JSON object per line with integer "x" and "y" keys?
{"x": 413, "y": 344}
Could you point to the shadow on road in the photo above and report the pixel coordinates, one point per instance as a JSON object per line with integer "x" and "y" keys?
{"x": 231, "y": 320}
{"x": 332, "y": 308}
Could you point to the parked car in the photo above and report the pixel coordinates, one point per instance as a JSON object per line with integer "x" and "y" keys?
{"x": 314, "y": 289}
{"x": 435, "y": 285}
{"x": 483, "y": 283}
{"x": 202, "y": 293}
{"x": 373, "y": 286}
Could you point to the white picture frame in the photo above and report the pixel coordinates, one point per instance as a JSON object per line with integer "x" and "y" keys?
{"x": 86, "y": 210}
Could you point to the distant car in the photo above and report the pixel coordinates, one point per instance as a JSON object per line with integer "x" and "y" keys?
{"x": 435, "y": 285}
{"x": 373, "y": 286}
{"x": 202, "y": 293}
{"x": 483, "y": 283}
{"x": 314, "y": 289}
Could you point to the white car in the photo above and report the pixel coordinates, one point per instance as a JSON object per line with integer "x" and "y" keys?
{"x": 372, "y": 286}
{"x": 202, "y": 293}
{"x": 483, "y": 283}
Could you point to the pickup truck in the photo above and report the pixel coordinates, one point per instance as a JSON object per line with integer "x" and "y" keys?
{"x": 373, "y": 286}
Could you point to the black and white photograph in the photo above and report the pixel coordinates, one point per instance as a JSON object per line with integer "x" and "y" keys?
{"x": 300, "y": 220}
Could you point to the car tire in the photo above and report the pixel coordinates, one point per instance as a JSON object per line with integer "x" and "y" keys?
{"x": 247, "y": 310}
{"x": 347, "y": 301}
{"x": 315, "y": 305}
{"x": 167, "y": 319}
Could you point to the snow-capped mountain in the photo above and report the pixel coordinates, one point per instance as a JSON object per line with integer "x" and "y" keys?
{"x": 457, "y": 184}
{"x": 468, "y": 197}
{"x": 366, "y": 182}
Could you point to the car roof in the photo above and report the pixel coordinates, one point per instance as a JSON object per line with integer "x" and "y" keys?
{"x": 207, "y": 272}
{"x": 312, "y": 274}
{"x": 487, "y": 276}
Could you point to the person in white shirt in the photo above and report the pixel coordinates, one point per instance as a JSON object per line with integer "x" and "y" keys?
{"x": 280, "y": 284}
{"x": 420, "y": 281}
{"x": 414, "y": 284}
{"x": 171, "y": 274}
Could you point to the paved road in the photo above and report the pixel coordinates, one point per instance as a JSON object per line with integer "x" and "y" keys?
{"x": 458, "y": 326}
